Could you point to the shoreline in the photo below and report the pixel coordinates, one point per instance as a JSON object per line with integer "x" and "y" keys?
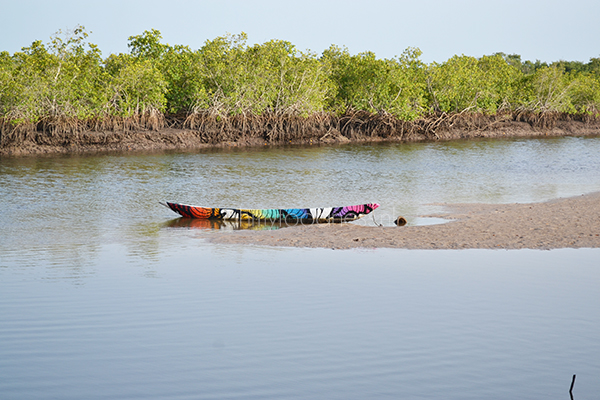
{"x": 175, "y": 139}
{"x": 572, "y": 222}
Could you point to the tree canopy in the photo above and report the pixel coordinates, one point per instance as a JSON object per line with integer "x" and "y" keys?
{"x": 69, "y": 79}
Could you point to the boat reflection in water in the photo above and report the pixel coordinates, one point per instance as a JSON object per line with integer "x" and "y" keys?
{"x": 257, "y": 225}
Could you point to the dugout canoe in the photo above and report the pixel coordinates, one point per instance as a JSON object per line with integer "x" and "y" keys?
{"x": 303, "y": 215}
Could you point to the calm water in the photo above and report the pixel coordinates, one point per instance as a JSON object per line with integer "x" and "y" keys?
{"x": 104, "y": 295}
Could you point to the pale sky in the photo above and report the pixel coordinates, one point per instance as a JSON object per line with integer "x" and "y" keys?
{"x": 547, "y": 30}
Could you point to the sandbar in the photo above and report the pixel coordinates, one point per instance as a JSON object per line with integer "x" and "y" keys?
{"x": 572, "y": 222}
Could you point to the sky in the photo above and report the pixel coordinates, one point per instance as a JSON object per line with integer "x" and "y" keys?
{"x": 545, "y": 30}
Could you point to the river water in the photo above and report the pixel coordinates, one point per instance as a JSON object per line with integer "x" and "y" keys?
{"x": 103, "y": 294}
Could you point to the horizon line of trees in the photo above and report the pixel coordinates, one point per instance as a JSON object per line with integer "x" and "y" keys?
{"x": 67, "y": 83}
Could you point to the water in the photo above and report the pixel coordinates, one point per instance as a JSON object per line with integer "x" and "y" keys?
{"x": 103, "y": 295}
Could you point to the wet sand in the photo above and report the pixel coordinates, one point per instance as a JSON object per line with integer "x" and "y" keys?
{"x": 563, "y": 223}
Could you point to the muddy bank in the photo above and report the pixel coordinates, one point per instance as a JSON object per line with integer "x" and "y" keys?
{"x": 571, "y": 222}
{"x": 358, "y": 127}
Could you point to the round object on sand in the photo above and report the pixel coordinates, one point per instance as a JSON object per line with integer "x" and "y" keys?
{"x": 400, "y": 221}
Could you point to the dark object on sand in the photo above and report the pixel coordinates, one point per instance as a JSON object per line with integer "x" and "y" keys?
{"x": 400, "y": 221}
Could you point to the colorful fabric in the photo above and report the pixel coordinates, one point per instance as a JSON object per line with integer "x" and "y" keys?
{"x": 329, "y": 214}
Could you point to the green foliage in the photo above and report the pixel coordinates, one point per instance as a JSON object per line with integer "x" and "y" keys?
{"x": 181, "y": 69}
{"x": 7, "y": 85}
{"x": 584, "y": 92}
{"x": 363, "y": 82}
{"x": 466, "y": 83}
{"x": 273, "y": 77}
{"x": 526, "y": 67}
{"x": 77, "y": 86}
{"x": 136, "y": 89}
{"x": 546, "y": 90}
{"x": 62, "y": 79}
{"x": 68, "y": 79}
{"x": 30, "y": 84}
{"x": 591, "y": 67}
{"x": 147, "y": 46}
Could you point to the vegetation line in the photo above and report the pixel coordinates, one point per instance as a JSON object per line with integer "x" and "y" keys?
{"x": 230, "y": 91}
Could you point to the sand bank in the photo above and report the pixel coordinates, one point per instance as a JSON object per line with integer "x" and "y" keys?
{"x": 571, "y": 222}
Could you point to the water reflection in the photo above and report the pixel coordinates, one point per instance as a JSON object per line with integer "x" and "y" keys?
{"x": 212, "y": 224}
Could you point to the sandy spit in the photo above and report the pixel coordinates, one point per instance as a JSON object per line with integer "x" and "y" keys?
{"x": 563, "y": 223}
